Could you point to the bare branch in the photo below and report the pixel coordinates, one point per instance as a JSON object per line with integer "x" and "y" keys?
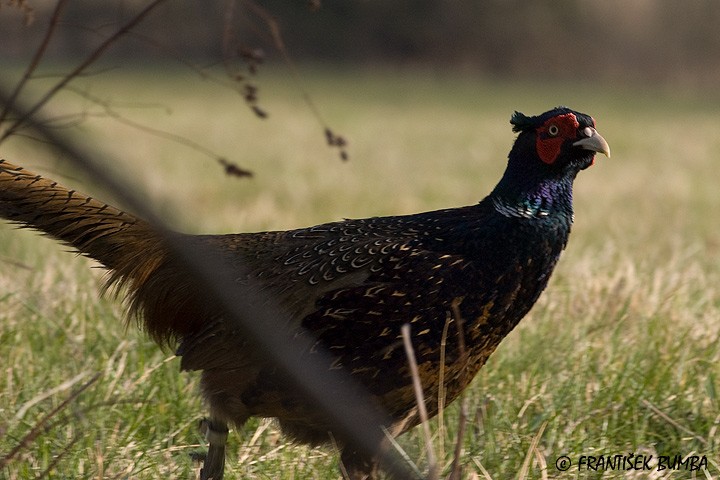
{"x": 251, "y": 58}
{"x": 251, "y": 312}
{"x": 279, "y": 44}
{"x": 39, "y": 426}
{"x": 54, "y": 20}
{"x": 96, "y": 54}
{"x": 230, "y": 169}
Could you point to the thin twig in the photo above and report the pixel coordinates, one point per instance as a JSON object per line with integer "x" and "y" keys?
{"x": 279, "y": 44}
{"x": 672, "y": 422}
{"x": 59, "y": 456}
{"x": 49, "y": 393}
{"x": 96, "y": 54}
{"x": 15, "y": 263}
{"x": 174, "y": 54}
{"x": 227, "y": 32}
{"x": 333, "y": 392}
{"x": 38, "y": 428}
{"x": 456, "y": 469}
{"x": 111, "y": 113}
{"x": 54, "y": 20}
{"x": 420, "y": 400}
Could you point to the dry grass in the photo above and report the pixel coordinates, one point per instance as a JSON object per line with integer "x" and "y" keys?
{"x": 622, "y": 353}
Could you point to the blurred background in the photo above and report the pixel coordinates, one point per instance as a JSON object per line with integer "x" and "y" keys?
{"x": 653, "y": 41}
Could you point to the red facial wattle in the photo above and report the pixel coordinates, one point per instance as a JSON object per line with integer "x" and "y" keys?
{"x": 553, "y": 133}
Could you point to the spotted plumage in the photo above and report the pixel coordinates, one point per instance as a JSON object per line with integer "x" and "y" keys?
{"x": 457, "y": 276}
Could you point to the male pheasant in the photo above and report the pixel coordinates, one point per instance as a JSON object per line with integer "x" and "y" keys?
{"x": 352, "y": 284}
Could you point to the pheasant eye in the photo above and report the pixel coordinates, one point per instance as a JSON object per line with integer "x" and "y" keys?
{"x": 553, "y": 130}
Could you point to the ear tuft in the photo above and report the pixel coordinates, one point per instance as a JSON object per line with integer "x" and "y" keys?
{"x": 520, "y": 121}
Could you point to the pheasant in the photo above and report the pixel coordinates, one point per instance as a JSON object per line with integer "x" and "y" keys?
{"x": 467, "y": 274}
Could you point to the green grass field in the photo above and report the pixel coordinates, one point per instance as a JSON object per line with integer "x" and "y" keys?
{"x": 620, "y": 356}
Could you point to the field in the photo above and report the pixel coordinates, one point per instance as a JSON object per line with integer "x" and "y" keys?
{"x": 621, "y": 356}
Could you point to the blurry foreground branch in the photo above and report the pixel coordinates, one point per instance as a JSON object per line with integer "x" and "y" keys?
{"x": 333, "y": 393}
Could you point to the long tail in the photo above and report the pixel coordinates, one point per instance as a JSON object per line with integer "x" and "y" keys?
{"x": 123, "y": 243}
{"x": 118, "y": 240}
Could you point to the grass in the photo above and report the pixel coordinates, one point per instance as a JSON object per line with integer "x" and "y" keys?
{"x": 621, "y": 355}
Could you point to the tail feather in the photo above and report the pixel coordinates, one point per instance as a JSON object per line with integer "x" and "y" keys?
{"x": 97, "y": 230}
{"x": 125, "y": 244}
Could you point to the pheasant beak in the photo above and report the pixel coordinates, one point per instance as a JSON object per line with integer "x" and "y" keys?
{"x": 593, "y": 141}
